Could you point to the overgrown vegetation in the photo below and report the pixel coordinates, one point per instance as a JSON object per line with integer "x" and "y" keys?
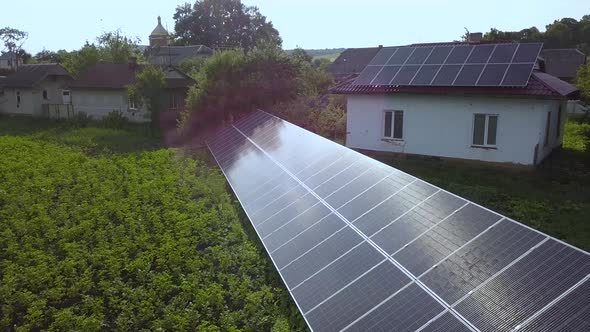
{"x": 552, "y": 198}
{"x": 235, "y": 82}
{"x": 563, "y": 33}
{"x": 102, "y": 231}
{"x": 583, "y": 82}
{"x": 148, "y": 90}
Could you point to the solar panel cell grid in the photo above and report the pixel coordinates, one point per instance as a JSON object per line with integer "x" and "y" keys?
{"x": 382, "y": 56}
{"x": 341, "y": 276}
{"x": 480, "y": 54}
{"x": 572, "y": 313}
{"x": 426, "y": 74}
{"x": 406, "y": 311}
{"x": 439, "y": 55}
{"x": 446, "y": 75}
{"x": 468, "y": 75}
{"x": 404, "y": 62}
{"x": 503, "y": 53}
{"x": 459, "y": 55}
{"x": 400, "y": 57}
{"x": 320, "y": 256}
{"x": 358, "y": 298}
{"x": 446, "y": 323}
{"x": 419, "y": 55}
{"x": 444, "y": 238}
{"x": 305, "y": 241}
{"x": 492, "y": 75}
{"x": 405, "y": 75}
{"x": 386, "y": 75}
{"x": 462, "y": 272}
{"x": 526, "y": 287}
{"x": 336, "y": 276}
{"x": 296, "y": 226}
{"x": 421, "y": 217}
{"x": 517, "y": 74}
{"x": 392, "y": 208}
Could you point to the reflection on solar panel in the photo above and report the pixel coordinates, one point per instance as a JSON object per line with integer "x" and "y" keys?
{"x": 459, "y": 65}
{"x": 362, "y": 246}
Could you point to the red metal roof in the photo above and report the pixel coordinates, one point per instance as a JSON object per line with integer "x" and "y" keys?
{"x": 540, "y": 84}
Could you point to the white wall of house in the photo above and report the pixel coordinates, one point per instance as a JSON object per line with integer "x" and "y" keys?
{"x": 31, "y": 99}
{"x": 100, "y": 102}
{"x": 442, "y": 126}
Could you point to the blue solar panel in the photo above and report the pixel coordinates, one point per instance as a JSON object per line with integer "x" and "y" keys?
{"x": 373, "y": 248}
{"x": 479, "y": 65}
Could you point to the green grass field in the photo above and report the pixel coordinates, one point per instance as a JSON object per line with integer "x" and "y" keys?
{"x": 106, "y": 230}
{"x": 553, "y": 198}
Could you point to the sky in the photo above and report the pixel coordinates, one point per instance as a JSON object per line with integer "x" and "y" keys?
{"x": 311, "y": 24}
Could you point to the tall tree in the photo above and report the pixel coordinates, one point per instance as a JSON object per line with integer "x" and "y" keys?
{"x": 223, "y": 24}
{"x": 148, "y": 90}
{"x": 116, "y": 47}
{"x": 13, "y": 38}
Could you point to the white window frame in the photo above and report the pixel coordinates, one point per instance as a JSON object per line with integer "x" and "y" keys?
{"x": 486, "y": 126}
{"x": 383, "y": 123}
{"x": 131, "y": 103}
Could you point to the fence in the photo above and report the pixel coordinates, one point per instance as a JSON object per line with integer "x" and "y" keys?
{"x": 58, "y": 111}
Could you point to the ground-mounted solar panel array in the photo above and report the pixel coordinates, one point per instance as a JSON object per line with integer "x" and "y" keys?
{"x": 508, "y": 64}
{"x": 362, "y": 246}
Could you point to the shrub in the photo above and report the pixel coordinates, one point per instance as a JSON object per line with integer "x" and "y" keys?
{"x": 115, "y": 120}
{"x": 80, "y": 120}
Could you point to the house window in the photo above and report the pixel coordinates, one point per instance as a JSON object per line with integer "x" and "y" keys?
{"x": 174, "y": 101}
{"x": 485, "y": 128}
{"x": 132, "y": 103}
{"x": 558, "y": 129}
{"x": 393, "y": 124}
{"x": 547, "y": 128}
{"x": 45, "y": 97}
{"x": 18, "y": 99}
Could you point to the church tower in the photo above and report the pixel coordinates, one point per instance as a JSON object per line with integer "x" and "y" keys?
{"x": 159, "y": 37}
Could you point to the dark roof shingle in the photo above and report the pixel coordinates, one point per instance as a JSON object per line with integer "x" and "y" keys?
{"x": 28, "y": 75}
{"x": 564, "y": 62}
{"x": 175, "y": 55}
{"x": 119, "y": 76}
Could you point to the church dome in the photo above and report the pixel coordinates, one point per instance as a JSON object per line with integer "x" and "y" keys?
{"x": 159, "y": 30}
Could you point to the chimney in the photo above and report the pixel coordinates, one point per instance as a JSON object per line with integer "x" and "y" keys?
{"x": 475, "y": 37}
{"x": 132, "y": 62}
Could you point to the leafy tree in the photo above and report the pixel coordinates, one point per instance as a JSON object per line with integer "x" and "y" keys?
{"x": 192, "y": 65}
{"x": 583, "y": 82}
{"x": 223, "y": 24}
{"x": 300, "y": 54}
{"x": 149, "y": 90}
{"x": 234, "y": 82}
{"x": 13, "y": 39}
{"x": 77, "y": 61}
{"x": 117, "y": 48}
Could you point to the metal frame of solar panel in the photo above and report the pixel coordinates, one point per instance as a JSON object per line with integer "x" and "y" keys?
{"x": 363, "y": 246}
{"x": 506, "y": 64}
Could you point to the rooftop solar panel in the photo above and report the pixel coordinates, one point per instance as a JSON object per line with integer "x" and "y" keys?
{"x": 413, "y": 65}
{"x": 373, "y": 248}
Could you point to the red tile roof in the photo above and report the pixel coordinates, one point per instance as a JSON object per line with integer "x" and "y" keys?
{"x": 540, "y": 84}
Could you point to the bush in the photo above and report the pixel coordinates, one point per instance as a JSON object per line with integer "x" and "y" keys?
{"x": 115, "y": 120}
{"x": 80, "y": 120}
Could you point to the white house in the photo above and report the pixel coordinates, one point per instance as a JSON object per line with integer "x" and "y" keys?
{"x": 36, "y": 90}
{"x": 103, "y": 89}
{"x": 519, "y": 125}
